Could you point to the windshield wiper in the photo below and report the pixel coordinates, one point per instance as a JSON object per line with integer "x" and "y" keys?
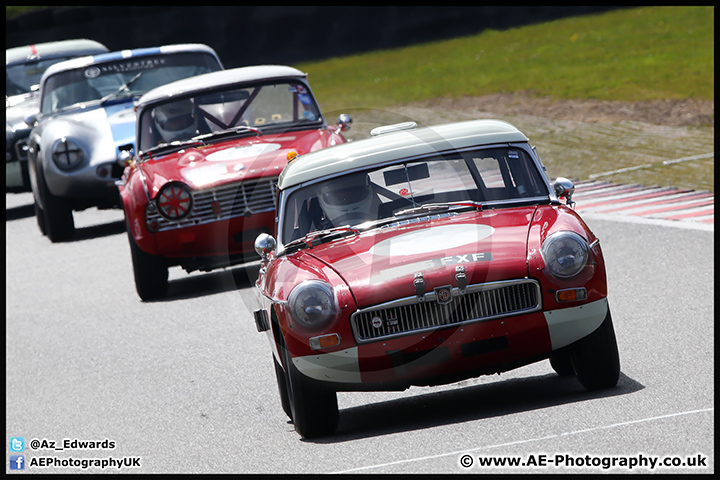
{"x": 122, "y": 87}
{"x": 170, "y": 147}
{"x": 319, "y": 235}
{"x": 439, "y": 206}
{"x": 230, "y": 132}
{"x": 198, "y": 140}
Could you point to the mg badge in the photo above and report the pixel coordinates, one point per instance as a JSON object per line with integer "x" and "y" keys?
{"x": 443, "y": 295}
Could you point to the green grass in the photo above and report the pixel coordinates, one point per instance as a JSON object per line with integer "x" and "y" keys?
{"x": 638, "y": 54}
{"x": 14, "y": 11}
{"x": 632, "y": 55}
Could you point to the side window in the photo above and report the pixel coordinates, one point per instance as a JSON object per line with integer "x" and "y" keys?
{"x": 507, "y": 173}
{"x": 489, "y": 170}
{"x": 148, "y": 138}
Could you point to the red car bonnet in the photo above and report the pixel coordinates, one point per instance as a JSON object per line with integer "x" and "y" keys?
{"x": 380, "y": 265}
{"x": 234, "y": 160}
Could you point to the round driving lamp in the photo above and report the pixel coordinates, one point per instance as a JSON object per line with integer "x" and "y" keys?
{"x": 67, "y": 154}
{"x": 174, "y": 201}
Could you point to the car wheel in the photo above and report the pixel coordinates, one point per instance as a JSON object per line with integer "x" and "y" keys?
{"x": 314, "y": 407}
{"x": 595, "y": 358}
{"x": 150, "y": 272}
{"x": 57, "y": 216}
{"x": 40, "y": 217}
{"x": 561, "y": 362}
{"x": 282, "y": 388}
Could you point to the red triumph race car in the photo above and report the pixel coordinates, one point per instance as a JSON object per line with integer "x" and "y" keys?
{"x": 202, "y": 184}
{"x": 424, "y": 257}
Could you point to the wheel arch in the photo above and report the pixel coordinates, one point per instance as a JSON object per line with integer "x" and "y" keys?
{"x": 277, "y": 335}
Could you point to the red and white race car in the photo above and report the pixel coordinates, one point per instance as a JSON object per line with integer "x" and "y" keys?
{"x": 423, "y": 257}
{"x": 202, "y": 184}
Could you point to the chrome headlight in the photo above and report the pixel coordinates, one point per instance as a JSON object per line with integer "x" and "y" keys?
{"x": 313, "y": 304}
{"x": 174, "y": 201}
{"x": 565, "y": 254}
{"x": 67, "y": 154}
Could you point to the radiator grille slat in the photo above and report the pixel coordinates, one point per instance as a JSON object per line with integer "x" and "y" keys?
{"x": 478, "y": 303}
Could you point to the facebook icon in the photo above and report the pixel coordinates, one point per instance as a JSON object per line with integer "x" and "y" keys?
{"x": 17, "y": 462}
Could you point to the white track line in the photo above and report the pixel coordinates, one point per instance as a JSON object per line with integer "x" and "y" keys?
{"x": 616, "y": 217}
{"x": 539, "y": 439}
{"x": 650, "y": 165}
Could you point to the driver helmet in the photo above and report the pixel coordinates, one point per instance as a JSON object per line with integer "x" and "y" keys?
{"x": 347, "y": 200}
{"x": 175, "y": 120}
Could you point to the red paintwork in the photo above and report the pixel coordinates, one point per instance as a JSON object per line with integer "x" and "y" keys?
{"x": 527, "y": 336}
{"x": 354, "y": 261}
{"x": 548, "y": 221}
{"x": 214, "y": 238}
{"x": 349, "y": 264}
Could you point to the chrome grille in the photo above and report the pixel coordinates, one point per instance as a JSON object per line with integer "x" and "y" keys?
{"x": 228, "y": 201}
{"x": 478, "y": 303}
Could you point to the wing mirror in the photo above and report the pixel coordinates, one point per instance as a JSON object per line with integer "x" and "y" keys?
{"x": 264, "y": 245}
{"x": 564, "y": 188}
{"x": 344, "y": 123}
{"x": 31, "y": 120}
{"x": 126, "y": 154}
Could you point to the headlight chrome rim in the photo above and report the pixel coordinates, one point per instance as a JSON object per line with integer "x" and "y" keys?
{"x": 67, "y": 154}
{"x": 565, "y": 253}
{"x": 174, "y": 201}
{"x": 313, "y": 304}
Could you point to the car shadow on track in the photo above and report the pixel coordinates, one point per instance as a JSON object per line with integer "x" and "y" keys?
{"x": 81, "y": 233}
{"x": 199, "y": 285}
{"x": 97, "y": 231}
{"x": 17, "y": 213}
{"x": 467, "y": 404}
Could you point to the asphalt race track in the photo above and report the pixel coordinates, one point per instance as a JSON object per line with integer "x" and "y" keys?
{"x": 97, "y": 379}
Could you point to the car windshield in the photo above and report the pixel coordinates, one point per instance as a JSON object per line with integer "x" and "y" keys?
{"x": 496, "y": 176}
{"x": 20, "y": 77}
{"x": 96, "y": 81}
{"x": 263, "y": 106}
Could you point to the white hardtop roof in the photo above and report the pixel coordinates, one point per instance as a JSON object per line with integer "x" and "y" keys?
{"x": 218, "y": 79}
{"x": 80, "y": 46}
{"x": 395, "y": 146}
{"x": 82, "y": 62}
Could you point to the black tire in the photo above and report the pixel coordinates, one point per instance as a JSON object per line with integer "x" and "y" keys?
{"x": 595, "y": 358}
{"x": 314, "y": 407}
{"x": 561, "y": 362}
{"x": 40, "y": 217}
{"x": 150, "y": 272}
{"x": 282, "y": 388}
{"x": 57, "y": 216}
